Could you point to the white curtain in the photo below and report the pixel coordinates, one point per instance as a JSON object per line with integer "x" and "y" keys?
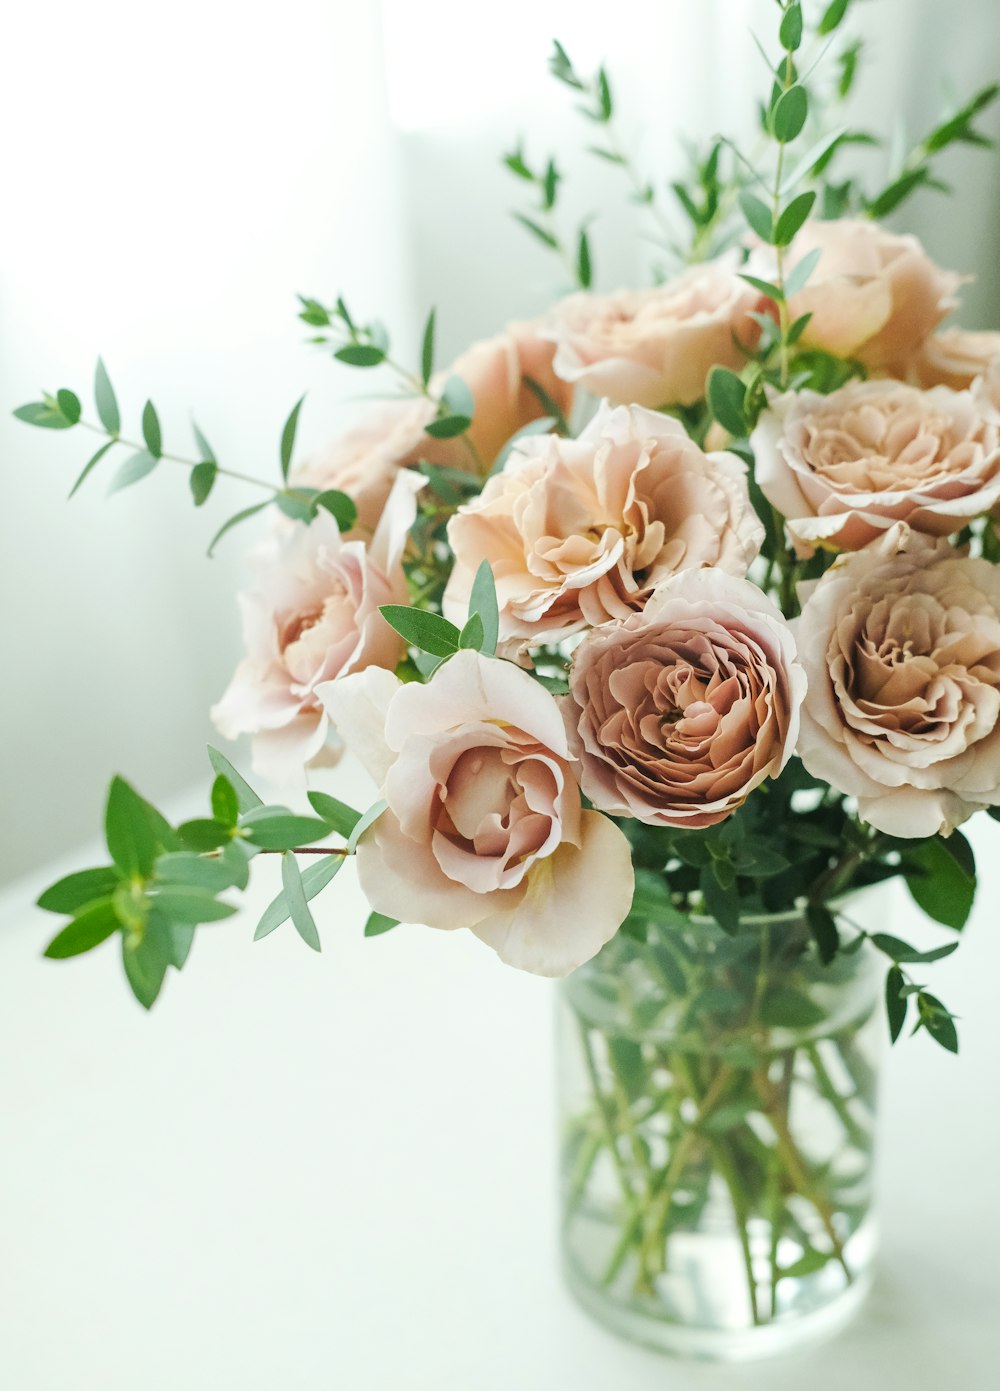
{"x": 175, "y": 173}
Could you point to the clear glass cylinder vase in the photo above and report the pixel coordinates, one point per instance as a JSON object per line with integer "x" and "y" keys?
{"x": 718, "y": 1110}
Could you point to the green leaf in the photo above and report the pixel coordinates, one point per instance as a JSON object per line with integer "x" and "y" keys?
{"x": 961, "y": 852}
{"x": 764, "y": 286}
{"x": 91, "y": 464}
{"x": 246, "y": 797}
{"x": 342, "y": 509}
{"x": 452, "y": 485}
{"x": 89, "y": 929}
{"x": 471, "y": 636}
{"x": 128, "y": 830}
{"x": 360, "y": 355}
{"x": 335, "y": 813}
{"x": 151, "y": 430}
{"x": 543, "y": 236}
{"x": 757, "y": 214}
{"x": 43, "y": 415}
{"x": 792, "y": 217}
{"x": 722, "y": 903}
{"x": 378, "y": 923}
{"x": 901, "y": 951}
{"x": 832, "y": 16}
{"x": 790, "y": 114}
{"x": 105, "y": 400}
{"x": 428, "y": 631}
{"x": 938, "y": 1021}
{"x": 189, "y": 904}
{"x": 807, "y": 1264}
{"x": 427, "y": 348}
{"x": 515, "y": 163}
{"x": 550, "y": 406}
{"x": 196, "y": 871}
{"x": 204, "y": 833}
{"x": 236, "y": 857}
{"x": 824, "y": 931}
{"x": 942, "y": 887}
{"x": 69, "y": 405}
{"x": 897, "y": 191}
{"x": 302, "y": 919}
{"x": 235, "y": 521}
{"x": 446, "y": 427}
{"x": 207, "y": 452}
{"x": 368, "y": 819}
{"x": 314, "y": 879}
{"x": 225, "y": 803}
{"x": 146, "y": 960}
{"x": 729, "y": 1116}
{"x": 895, "y": 1002}
{"x": 288, "y": 437}
{"x": 77, "y": 890}
{"x": 786, "y": 1008}
{"x": 790, "y": 32}
{"x": 180, "y": 943}
{"x": 202, "y": 479}
{"x": 726, "y": 399}
{"x": 584, "y": 266}
{"x": 275, "y": 828}
{"x": 483, "y": 601}
{"x": 135, "y": 468}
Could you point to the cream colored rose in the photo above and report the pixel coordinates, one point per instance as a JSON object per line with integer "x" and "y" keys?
{"x": 314, "y": 617}
{"x": 843, "y": 468}
{"x": 484, "y": 828}
{"x": 678, "y": 713}
{"x": 873, "y": 295}
{"x": 656, "y": 347}
{"x": 364, "y": 462}
{"x": 954, "y": 357}
{"x": 580, "y": 531}
{"x": 902, "y": 651}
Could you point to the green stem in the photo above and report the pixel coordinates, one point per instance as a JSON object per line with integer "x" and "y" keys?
{"x": 190, "y": 463}
{"x": 741, "y": 1211}
{"x": 824, "y": 1084}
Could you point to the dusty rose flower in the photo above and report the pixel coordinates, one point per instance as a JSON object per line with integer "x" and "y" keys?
{"x": 484, "y": 827}
{"x": 873, "y": 295}
{"x": 954, "y": 357}
{"x": 678, "y": 713}
{"x": 364, "y": 462}
{"x": 312, "y": 618}
{"x": 901, "y": 646}
{"x": 986, "y": 391}
{"x": 580, "y": 531}
{"x": 656, "y": 347}
{"x": 843, "y": 468}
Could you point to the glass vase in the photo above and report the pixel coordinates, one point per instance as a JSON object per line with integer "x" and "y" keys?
{"x": 718, "y": 1105}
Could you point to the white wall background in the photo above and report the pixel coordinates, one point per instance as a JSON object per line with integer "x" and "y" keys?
{"x": 175, "y": 174}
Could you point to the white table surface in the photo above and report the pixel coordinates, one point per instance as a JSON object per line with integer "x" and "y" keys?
{"x": 339, "y": 1171}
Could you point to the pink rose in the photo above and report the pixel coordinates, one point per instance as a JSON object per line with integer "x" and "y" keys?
{"x": 580, "y": 531}
{"x": 656, "y": 347}
{"x": 873, "y": 295}
{"x": 843, "y": 468}
{"x": 314, "y": 617}
{"x": 678, "y": 713}
{"x": 484, "y": 827}
{"x": 901, "y": 646}
{"x": 364, "y": 462}
{"x": 954, "y": 357}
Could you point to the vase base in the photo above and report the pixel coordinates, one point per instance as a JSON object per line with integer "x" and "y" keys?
{"x": 637, "y": 1325}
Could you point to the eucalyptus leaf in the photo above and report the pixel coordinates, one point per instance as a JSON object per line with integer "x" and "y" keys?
{"x": 151, "y": 432}
{"x": 378, "y": 923}
{"x": 246, "y": 797}
{"x": 298, "y": 907}
{"x": 76, "y": 891}
{"x": 288, "y": 437}
{"x": 483, "y": 601}
{"x": 428, "y": 631}
{"x": 105, "y": 400}
{"x": 133, "y": 470}
{"x": 88, "y": 929}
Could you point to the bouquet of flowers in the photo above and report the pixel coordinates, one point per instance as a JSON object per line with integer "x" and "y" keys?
{"x": 664, "y": 624}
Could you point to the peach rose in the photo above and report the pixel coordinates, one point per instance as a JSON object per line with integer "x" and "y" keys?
{"x": 901, "y": 646}
{"x": 986, "y": 391}
{"x": 656, "y": 347}
{"x": 364, "y": 462}
{"x": 484, "y": 828}
{"x": 678, "y": 713}
{"x": 954, "y": 357}
{"x": 580, "y": 531}
{"x": 843, "y": 468}
{"x": 873, "y": 295}
{"x": 314, "y": 617}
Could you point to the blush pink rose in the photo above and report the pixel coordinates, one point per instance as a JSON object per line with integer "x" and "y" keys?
{"x": 314, "y": 617}
{"x": 484, "y": 828}
{"x": 364, "y": 462}
{"x": 901, "y": 646}
{"x": 578, "y": 532}
{"x": 954, "y": 357}
{"x": 873, "y": 295}
{"x": 679, "y": 712}
{"x": 843, "y": 468}
{"x": 656, "y": 347}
